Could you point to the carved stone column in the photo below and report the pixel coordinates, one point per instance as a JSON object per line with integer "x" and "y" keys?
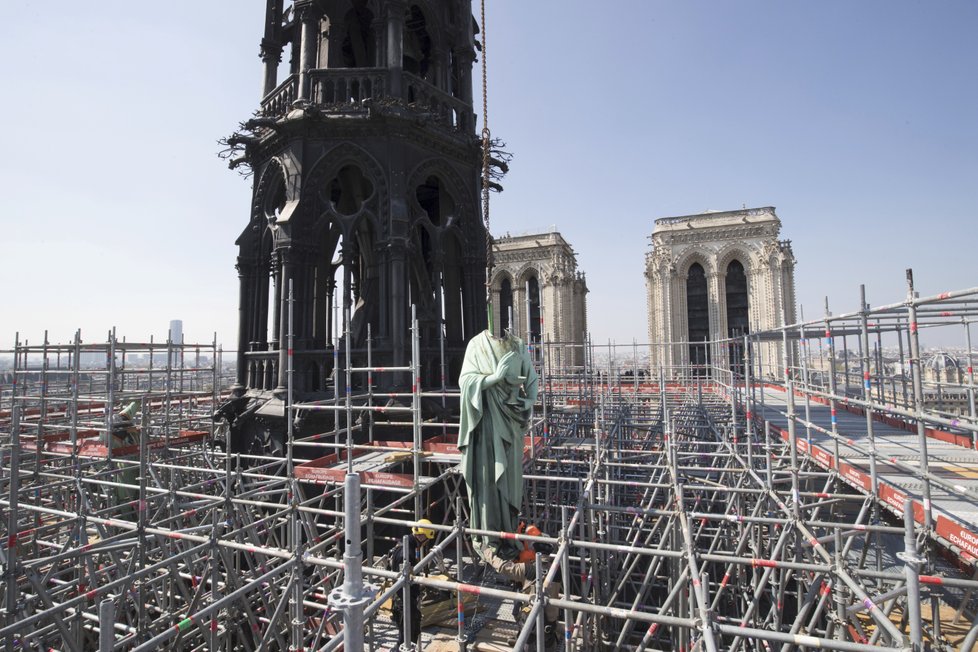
{"x": 309, "y": 15}
{"x": 464, "y": 58}
{"x": 246, "y": 282}
{"x": 271, "y": 57}
{"x": 286, "y": 276}
{"x": 717, "y": 305}
{"x": 439, "y": 78}
{"x": 271, "y": 46}
{"x": 379, "y": 27}
{"x": 521, "y": 305}
{"x": 395, "y": 45}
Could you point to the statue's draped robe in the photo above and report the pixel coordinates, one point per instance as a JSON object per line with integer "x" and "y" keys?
{"x": 493, "y": 423}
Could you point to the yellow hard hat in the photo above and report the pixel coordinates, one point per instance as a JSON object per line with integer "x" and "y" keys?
{"x": 420, "y": 528}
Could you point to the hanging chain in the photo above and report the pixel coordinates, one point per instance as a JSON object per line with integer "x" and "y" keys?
{"x": 486, "y": 143}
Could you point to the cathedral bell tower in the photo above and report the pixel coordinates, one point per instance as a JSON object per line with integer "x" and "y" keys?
{"x": 366, "y": 170}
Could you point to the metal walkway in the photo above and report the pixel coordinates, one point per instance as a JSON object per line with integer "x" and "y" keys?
{"x": 951, "y": 470}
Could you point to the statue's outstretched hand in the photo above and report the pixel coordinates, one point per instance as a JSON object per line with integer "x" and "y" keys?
{"x": 505, "y": 370}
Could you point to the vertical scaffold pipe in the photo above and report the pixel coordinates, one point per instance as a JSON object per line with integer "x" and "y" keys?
{"x": 348, "y": 381}
{"x": 106, "y": 624}
{"x": 971, "y": 381}
{"x": 406, "y": 593}
{"x": 792, "y": 435}
{"x": 565, "y": 531}
{"x": 544, "y": 398}
{"x": 416, "y": 438}
{"x": 833, "y": 389}
{"x": 295, "y": 528}
{"x": 353, "y": 595}
{"x": 141, "y": 520}
{"x": 805, "y": 379}
{"x": 11, "y": 566}
{"x": 913, "y": 562}
{"x": 865, "y": 360}
{"x": 748, "y": 398}
{"x": 918, "y": 398}
{"x": 460, "y": 523}
{"x": 110, "y": 401}
{"x": 541, "y": 622}
{"x": 443, "y": 367}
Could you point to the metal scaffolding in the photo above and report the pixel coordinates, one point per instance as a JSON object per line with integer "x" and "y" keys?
{"x": 826, "y": 505}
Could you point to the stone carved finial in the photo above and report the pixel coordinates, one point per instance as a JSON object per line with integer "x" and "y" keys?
{"x": 270, "y": 51}
{"x": 307, "y": 10}
{"x": 770, "y": 250}
{"x": 787, "y": 254}
{"x": 660, "y": 261}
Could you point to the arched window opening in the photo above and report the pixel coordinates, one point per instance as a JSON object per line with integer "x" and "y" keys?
{"x": 505, "y": 304}
{"x": 275, "y": 198}
{"x": 435, "y": 201}
{"x": 338, "y": 277}
{"x": 698, "y": 319}
{"x": 358, "y": 43}
{"x": 288, "y": 62}
{"x": 737, "y": 313}
{"x": 349, "y": 189}
{"x": 533, "y": 298}
{"x": 364, "y": 281}
{"x": 346, "y": 275}
{"x": 272, "y": 304}
{"x": 422, "y": 277}
{"x": 451, "y": 299}
{"x": 417, "y": 43}
{"x": 427, "y": 251}
{"x": 455, "y": 67}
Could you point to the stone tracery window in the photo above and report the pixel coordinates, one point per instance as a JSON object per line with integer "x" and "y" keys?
{"x": 417, "y": 43}
{"x": 359, "y": 40}
{"x": 737, "y": 300}
{"x": 505, "y": 303}
{"x": 349, "y": 189}
{"x": 738, "y": 313}
{"x": 698, "y": 318}
{"x": 435, "y": 201}
{"x": 533, "y": 294}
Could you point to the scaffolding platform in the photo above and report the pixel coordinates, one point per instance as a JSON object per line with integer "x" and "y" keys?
{"x": 688, "y": 507}
{"x": 373, "y": 462}
{"x": 953, "y": 490}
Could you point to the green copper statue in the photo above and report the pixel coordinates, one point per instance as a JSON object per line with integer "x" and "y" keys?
{"x": 499, "y": 387}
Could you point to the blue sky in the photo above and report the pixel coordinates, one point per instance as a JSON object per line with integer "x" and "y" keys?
{"x": 857, "y": 120}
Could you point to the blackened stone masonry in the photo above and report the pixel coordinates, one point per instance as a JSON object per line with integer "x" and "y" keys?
{"x": 366, "y": 172}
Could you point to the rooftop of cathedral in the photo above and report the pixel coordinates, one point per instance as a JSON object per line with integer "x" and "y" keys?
{"x": 542, "y": 238}
{"x": 717, "y": 218}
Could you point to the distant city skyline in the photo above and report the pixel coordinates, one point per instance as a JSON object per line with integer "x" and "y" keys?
{"x": 857, "y": 121}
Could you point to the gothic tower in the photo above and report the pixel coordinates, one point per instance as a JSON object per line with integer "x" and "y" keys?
{"x": 715, "y": 277}
{"x": 539, "y": 293}
{"x": 366, "y": 192}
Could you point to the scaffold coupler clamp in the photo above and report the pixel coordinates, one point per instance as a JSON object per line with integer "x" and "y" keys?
{"x": 340, "y": 600}
{"x": 911, "y": 558}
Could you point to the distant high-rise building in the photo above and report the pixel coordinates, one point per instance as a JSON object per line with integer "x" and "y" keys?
{"x": 176, "y": 331}
{"x": 176, "y": 337}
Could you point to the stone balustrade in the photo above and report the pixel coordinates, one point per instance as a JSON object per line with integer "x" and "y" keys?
{"x": 350, "y": 86}
{"x": 339, "y": 87}
{"x": 448, "y": 110}
{"x": 279, "y": 101}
